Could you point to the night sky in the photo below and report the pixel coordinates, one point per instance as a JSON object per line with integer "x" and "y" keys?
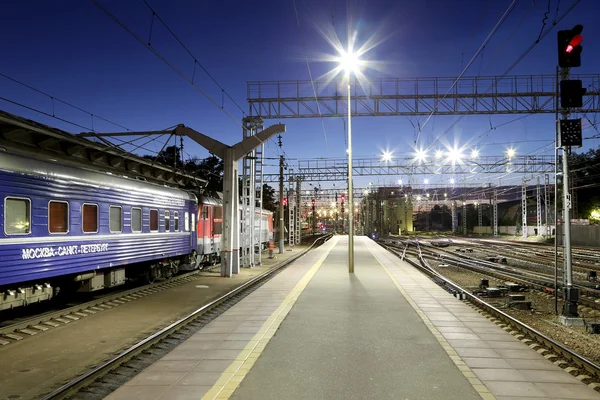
{"x": 75, "y": 52}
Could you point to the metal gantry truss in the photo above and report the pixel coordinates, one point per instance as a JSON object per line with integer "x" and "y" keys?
{"x": 481, "y": 95}
{"x": 319, "y": 170}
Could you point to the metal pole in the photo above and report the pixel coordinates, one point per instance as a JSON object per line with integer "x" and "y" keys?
{"x": 556, "y": 196}
{"x": 350, "y": 190}
{"x": 281, "y": 210}
{"x": 567, "y": 216}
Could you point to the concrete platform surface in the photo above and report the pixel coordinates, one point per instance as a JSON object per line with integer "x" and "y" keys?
{"x": 386, "y": 332}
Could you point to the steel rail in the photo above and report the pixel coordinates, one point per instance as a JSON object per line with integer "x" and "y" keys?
{"x": 574, "y": 358}
{"x": 83, "y": 380}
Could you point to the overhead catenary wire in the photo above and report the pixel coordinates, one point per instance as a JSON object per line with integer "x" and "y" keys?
{"x": 514, "y": 64}
{"x": 155, "y": 14}
{"x": 166, "y": 61}
{"x": 487, "y": 39}
{"x": 314, "y": 89}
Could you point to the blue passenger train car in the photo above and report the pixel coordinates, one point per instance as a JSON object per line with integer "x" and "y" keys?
{"x": 65, "y": 226}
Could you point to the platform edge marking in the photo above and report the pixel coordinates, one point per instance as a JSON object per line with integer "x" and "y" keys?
{"x": 479, "y": 387}
{"x": 241, "y": 366}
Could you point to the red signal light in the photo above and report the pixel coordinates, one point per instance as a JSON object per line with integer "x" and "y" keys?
{"x": 576, "y": 41}
{"x": 313, "y": 202}
{"x": 285, "y": 201}
{"x": 343, "y": 198}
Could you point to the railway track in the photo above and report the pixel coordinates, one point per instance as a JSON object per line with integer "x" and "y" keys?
{"x": 584, "y": 369}
{"x": 167, "y": 337}
{"x": 538, "y": 281}
{"x": 37, "y": 324}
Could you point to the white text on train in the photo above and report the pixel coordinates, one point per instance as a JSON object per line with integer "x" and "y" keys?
{"x": 47, "y": 252}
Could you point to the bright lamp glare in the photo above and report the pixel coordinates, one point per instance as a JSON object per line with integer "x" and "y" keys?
{"x": 386, "y": 156}
{"x": 399, "y": 181}
{"x": 438, "y": 154}
{"x": 510, "y": 152}
{"x": 349, "y": 62}
{"x": 452, "y": 181}
{"x": 426, "y": 181}
{"x": 455, "y": 155}
{"x": 420, "y": 155}
{"x": 474, "y": 153}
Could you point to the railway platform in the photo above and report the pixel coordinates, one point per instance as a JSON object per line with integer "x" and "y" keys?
{"x": 386, "y": 332}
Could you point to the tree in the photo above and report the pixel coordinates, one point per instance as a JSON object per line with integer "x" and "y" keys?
{"x": 584, "y": 170}
{"x": 169, "y": 156}
{"x": 269, "y": 201}
{"x": 211, "y": 169}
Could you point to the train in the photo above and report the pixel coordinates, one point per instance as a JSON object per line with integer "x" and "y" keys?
{"x": 67, "y": 228}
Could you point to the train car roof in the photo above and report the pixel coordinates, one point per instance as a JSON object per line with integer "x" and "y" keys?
{"x": 31, "y": 166}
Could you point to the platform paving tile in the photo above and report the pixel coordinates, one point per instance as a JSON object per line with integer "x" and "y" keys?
{"x": 199, "y": 378}
{"x": 186, "y": 355}
{"x": 513, "y": 388}
{"x": 453, "y": 329}
{"x": 476, "y": 352}
{"x": 217, "y": 366}
{"x": 542, "y": 364}
{"x": 172, "y": 366}
{"x": 203, "y": 336}
{"x": 233, "y": 345}
{"x": 499, "y": 374}
{"x": 157, "y": 378}
{"x": 496, "y": 337}
{"x": 128, "y": 392}
{"x": 484, "y": 362}
{"x": 568, "y": 391}
{"x": 468, "y": 343}
{"x": 185, "y": 392}
{"x": 461, "y": 336}
{"x": 548, "y": 376}
{"x": 513, "y": 344}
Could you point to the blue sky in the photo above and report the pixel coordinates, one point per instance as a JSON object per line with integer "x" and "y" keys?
{"x": 75, "y": 52}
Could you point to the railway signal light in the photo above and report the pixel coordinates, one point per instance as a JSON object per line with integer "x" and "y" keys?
{"x": 285, "y": 201}
{"x": 569, "y": 47}
{"x": 313, "y": 202}
{"x": 571, "y": 93}
{"x": 343, "y": 198}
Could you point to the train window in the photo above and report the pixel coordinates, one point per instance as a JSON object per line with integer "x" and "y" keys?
{"x": 193, "y": 222}
{"x": 186, "y": 221}
{"x": 153, "y": 220}
{"x": 115, "y": 219}
{"x": 176, "y": 221}
{"x": 136, "y": 219}
{"x": 89, "y": 213}
{"x": 167, "y": 221}
{"x": 17, "y": 216}
{"x": 218, "y": 212}
{"x": 204, "y": 212}
{"x": 217, "y": 228}
{"x": 58, "y": 217}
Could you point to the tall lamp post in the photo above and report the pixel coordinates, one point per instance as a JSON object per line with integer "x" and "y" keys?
{"x": 350, "y": 63}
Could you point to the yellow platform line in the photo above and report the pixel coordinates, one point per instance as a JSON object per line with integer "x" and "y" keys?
{"x": 237, "y": 371}
{"x": 479, "y": 387}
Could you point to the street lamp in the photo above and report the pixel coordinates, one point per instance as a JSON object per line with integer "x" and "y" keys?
{"x": 350, "y": 63}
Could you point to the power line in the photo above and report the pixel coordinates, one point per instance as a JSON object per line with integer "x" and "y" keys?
{"x": 514, "y": 64}
{"x": 155, "y": 14}
{"x": 164, "y": 59}
{"x": 310, "y": 76}
{"x": 63, "y": 102}
{"x": 487, "y": 39}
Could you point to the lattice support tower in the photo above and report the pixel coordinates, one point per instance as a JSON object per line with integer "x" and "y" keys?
{"x": 291, "y": 218}
{"x": 258, "y": 176}
{"x": 547, "y": 204}
{"x": 524, "y": 209}
{"x": 464, "y": 216}
{"x": 538, "y": 203}
{"x": 495, "y": 213}
{"x": 479, "y": 212}
{"x": 248, "y": 225}
{"x": 298, "y": 206}
{"x": 454, "y": 216}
